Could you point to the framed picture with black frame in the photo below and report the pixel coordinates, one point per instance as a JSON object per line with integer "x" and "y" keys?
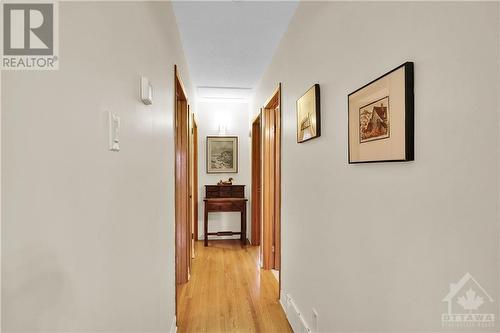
{"x": 309, "y": 115}
{"x": 381, "y": 118}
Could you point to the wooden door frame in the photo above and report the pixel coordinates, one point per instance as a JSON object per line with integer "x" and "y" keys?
{"x": 195, "y": 177}
{"x": 256, "y": 180}
{"x": 271, "y": 182}
{"x": 189, "y": 229}
{"x": 182, "y": 184}
{"x": 192, "y": 185}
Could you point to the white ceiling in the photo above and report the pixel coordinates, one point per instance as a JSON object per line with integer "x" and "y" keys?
{"x": 231, "y": 43}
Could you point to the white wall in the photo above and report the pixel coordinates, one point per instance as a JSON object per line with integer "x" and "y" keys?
{"x": 88, "y": 234}
{"x": 234, "y": 115}
{"x": 437, "y": 217}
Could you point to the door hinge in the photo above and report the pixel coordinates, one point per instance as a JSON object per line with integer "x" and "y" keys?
{"x": 272, "y": 248}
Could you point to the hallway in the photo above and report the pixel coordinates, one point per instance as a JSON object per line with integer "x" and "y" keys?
{"x": 228, "y": 292}
{"x": 351, "y": 147}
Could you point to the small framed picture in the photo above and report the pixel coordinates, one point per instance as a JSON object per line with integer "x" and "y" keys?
{"x": 381, "y": 118}
{"x": 308, "y": 115}
{"x": 222, "y": 154}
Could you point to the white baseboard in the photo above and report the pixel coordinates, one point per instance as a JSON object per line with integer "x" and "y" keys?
{"x": 294, "y": 316}
{"x": 173, "y": 326}
{"x": 283, "y": 306}
{"x": 276, "y": 274}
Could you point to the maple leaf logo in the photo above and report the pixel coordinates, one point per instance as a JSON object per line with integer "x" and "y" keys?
{"x": 471, "y": 301}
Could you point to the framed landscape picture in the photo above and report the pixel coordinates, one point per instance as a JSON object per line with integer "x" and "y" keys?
{"x": 308, "y": 115}
{"x": 381, "y": 118}
{"x": 222, "y": 154}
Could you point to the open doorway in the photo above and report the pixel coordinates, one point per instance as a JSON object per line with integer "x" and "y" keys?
{"x": 271, "y": 183}
{"x": 256, "y": 208}
{"x": 193, "y": 183}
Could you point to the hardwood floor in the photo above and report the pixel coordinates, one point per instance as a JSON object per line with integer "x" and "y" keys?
{"x": 228, "y": 292}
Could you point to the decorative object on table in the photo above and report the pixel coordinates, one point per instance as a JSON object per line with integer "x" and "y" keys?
{"x": 222, "y": 154}
{"x": 226, "y": 182}
{"x": 381, "y": 118}
{"x": 308, "y": 115}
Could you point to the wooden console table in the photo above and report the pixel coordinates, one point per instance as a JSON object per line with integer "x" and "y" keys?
{"x": 226, "y": 198}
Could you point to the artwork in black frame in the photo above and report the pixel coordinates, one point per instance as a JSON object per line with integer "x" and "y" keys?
{"x": 381, "y": 118}
{"x": 308, "y": 115}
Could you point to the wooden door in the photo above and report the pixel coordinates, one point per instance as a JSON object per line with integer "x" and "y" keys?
{"x": 277, "y": 187}
{"x": 271, "y": 117}
{"x": 256, "y": 181}
{"x": 268, "y": 193}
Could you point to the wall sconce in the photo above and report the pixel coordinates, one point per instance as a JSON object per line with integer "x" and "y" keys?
{"x": 222, "y": 129}
{"x": 146, "y": 91}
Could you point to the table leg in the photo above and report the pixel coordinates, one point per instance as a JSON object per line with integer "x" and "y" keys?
{"x": 206, "y": 225}
{"x": 244, "y": 225}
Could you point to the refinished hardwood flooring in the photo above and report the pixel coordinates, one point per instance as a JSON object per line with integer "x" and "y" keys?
{"x": 228, "y": 292}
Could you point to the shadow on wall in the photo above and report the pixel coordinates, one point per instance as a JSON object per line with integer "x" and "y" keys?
{"x": 50, "y": 283}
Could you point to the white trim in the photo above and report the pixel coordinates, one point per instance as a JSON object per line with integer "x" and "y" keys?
{"x": 0, "y": 190}
{"x": 498, "y": 182}
{"x": 285, "y": 301}
{"x": 276, "y": 274}
{"x": 283, "y": 306}
{"x": 173, "y": 326}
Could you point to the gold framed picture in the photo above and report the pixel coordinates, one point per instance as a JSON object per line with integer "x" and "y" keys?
{"x": 222, "y": 154}
{"x": 308, "y": 115}
{"x": 381, "y": 124}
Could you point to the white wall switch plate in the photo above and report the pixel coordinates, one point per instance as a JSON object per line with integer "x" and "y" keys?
{"x": 114, "y": 132}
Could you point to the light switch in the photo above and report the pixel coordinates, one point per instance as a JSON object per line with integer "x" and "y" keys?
{"x": 114, "y": 132}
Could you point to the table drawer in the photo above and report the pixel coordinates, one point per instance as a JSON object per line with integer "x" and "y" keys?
{"x": 225, "y": 191}
{"x": 224, "y": 206}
